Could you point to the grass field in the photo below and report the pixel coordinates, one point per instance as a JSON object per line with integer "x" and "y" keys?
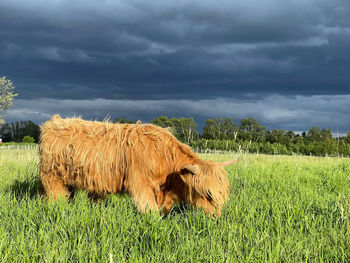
{"x": 280, "y": 209}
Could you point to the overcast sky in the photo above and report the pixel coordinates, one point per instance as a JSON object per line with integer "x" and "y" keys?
{"x": 285, "y": 63}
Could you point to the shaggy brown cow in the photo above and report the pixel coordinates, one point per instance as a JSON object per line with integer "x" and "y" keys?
{"x": 144, "y": 160}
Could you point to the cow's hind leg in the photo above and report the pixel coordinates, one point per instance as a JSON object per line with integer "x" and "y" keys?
{"x": 53, "y": 187}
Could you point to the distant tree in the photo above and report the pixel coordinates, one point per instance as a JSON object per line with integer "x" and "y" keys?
{"x": 298, "y": 139}
{"x": 251, "y": 130}
{"x": 162, "y": 121}
{"x": 347, "y": 138}
{"x": 209, "y": 130}
{"x": 314, "y": 134}
{"x": 165, "y": 122}
{"x": 214, "y": 129}
{"x": 28, "y": 139}
{"x": 326, "y": 134}
{"x": 220, "y": 129}
{"x": 122, "y": 120}
{"x": 6, "y": 96}
{"x": 186, "y": 129}
{"x": 230, "y": 129}
{"x": 276, "y": 136}
{"x": 291, "y": 136}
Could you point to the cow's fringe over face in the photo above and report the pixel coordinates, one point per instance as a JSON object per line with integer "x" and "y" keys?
{"x": 208, "y": 186}
{"x": 142, "y": 159}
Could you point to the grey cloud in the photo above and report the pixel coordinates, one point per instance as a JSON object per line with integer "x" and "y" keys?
{"x": 290, "y": 113}
{"x": 179, "y": 51}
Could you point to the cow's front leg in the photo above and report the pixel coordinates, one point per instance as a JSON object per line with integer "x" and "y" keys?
{"x": 144, "y": 198}
{"x": 142, "y": 190}
{"x": 52, "y": 186}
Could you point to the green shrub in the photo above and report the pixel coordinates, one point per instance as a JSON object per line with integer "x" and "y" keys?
{"x": 28, "y": 139}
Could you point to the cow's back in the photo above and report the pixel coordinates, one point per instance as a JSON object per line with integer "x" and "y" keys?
{"x": 101, "y": 157}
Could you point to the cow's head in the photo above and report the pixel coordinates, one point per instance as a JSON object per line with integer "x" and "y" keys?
{"x": 208, "y": 185}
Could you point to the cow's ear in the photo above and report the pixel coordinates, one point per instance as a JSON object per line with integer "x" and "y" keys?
{"x": 192, "y": 168}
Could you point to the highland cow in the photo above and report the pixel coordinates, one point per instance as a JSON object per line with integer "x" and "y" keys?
{"x": 144, "y": 160}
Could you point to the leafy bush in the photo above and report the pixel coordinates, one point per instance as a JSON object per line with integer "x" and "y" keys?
{"x": 28, "y": 139}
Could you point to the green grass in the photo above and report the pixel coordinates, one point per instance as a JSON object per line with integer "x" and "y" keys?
{"x": 280, "y": 209}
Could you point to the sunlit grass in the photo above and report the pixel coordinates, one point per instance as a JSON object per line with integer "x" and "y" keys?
{"x": 280, "y": 209}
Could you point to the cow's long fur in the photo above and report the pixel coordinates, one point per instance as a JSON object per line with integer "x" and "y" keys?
{"x": 142, "y": 159}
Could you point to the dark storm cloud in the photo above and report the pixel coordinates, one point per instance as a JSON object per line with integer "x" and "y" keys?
{"x": 183, "y": 50}
{"x": 273, "y": 111}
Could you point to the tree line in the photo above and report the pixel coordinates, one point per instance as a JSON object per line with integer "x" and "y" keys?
{"x": 17, "y": 131}
{"x": 249, "y": 135}
{"x": 222, "y": 134}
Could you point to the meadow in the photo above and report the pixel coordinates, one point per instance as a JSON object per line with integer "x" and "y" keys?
{"x": 280, "y": 209}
